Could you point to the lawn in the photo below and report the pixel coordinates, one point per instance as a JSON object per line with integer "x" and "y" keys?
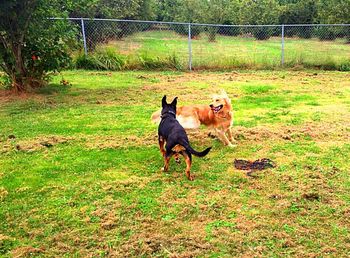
{"x": 229, "y": 51}
{"x": 80, "y": 168}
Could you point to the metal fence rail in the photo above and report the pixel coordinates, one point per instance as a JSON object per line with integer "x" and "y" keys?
{"x": 206, "y": 46}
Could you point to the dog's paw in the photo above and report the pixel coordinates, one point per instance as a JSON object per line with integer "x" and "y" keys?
{"x": 231, "y": 145}
{"x": 191, "y": 177}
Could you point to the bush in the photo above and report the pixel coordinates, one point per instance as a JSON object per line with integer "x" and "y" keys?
{"x": 330, "y": 32}
{"x": 101, "y": 60}
{"x": 148, "y": 62}
{"x": 262, "y": 33}
{"x": 39, "y": 46}
{"x": 345, "y": 67}
{"x": 109, "y": 60}
{"x": 229, "y": 31}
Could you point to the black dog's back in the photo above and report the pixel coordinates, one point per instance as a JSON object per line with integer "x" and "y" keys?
{"x": 171, "y": 132}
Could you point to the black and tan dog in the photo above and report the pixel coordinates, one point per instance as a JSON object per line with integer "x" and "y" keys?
{"x": 173, "y": 136}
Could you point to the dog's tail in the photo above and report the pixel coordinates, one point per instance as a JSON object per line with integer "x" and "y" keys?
{"x": 196, "y": 153}
{"x": 155, "y": 117}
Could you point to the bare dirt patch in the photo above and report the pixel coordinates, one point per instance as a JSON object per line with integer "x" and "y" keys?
{"x": 26, "y": 251}
{"x": 39, "y": 143}
{"x": 114, "y": 142}
{"x": 152, "y": 243}
{"x": 4, "y": 237}
{"x": 313, "y": 130}
{"x": 3, "y": 193}
{"x": 9, "y": 96}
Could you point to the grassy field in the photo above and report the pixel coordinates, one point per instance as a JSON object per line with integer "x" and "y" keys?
{"x": 80, "y": 168}
{"x": 230, "y": 52}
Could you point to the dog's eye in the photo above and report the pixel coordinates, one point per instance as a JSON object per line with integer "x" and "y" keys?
{"x": 217, "y": 100}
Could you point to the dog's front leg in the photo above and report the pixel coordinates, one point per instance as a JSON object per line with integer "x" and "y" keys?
{"x": 230, "y": 137}
{"x": 223, "y": 138}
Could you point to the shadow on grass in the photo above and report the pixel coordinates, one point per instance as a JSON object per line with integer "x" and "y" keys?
{"x": 53, "y": 88}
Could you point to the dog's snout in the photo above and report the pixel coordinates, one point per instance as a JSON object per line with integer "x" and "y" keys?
{"x": 211, "y": 105}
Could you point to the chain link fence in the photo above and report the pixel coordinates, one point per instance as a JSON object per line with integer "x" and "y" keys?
{"x": 152, "y": 45}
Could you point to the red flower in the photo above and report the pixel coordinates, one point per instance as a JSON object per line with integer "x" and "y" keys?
{"x": 34, "y": 57}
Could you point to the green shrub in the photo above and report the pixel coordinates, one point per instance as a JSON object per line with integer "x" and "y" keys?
{"x": 326, "y": 33}
{"x": 345, "y": 67}
{"x": 229, "y": 31}
{"x": 156, "y": 62}
{"x": 106, "y": 59}
{"x": 87, "y": 62}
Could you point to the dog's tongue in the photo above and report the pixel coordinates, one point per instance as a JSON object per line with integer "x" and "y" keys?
{"x": 215, "y": 109}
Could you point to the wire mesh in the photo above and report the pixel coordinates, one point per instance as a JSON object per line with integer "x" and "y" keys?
{"x": 144, "y": 44}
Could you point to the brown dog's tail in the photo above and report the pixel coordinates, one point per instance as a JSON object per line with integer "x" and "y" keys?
{"x": 196, "y": 153}
{"x": 155, "y": 117}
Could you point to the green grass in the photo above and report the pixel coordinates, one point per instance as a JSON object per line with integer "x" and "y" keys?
{"x": 166, "y": 49}
{"x": 97, "y": 189}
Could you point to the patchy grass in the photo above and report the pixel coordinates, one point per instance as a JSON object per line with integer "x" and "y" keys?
{"x": 80, "y": 168}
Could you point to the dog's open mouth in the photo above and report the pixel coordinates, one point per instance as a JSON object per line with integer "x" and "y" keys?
{"x": 217, "y": 109}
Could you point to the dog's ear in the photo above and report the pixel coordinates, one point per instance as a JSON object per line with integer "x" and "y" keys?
{"x": 174, "y": 102}
{"x": 164, "y": 101}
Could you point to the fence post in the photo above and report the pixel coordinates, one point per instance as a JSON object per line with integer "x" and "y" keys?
{"x": 282, "y": 47}
{"x": 189, "y": 48}
{"x": 84, "y": 38}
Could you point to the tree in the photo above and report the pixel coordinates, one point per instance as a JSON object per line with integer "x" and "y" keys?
{"x": 166, "y": 10}
{"x": 260, "y": 12}
{"x": 330, "y": 12}
{"x": 191, "y": 11}
{"x": 31, "y": 45}
{"x": 116, "y": 9}
{"x": 220, "y": 12}
{"x": 231, "y": 17}
{"x": 334, "y": 11}
{"x": 301, "y": 12}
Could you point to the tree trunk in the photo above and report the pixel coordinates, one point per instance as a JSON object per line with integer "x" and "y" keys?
{"x": 19, "y": 83}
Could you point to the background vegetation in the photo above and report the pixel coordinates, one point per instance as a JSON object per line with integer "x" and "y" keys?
{"x": 221, "y": 11}
{"x": 31, "y": 46}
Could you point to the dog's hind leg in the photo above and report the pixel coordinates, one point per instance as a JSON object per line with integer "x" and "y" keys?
{"x": 161, "y": 145}
{"x": 167, "y": 157}
{"x": 188, "y": 158}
